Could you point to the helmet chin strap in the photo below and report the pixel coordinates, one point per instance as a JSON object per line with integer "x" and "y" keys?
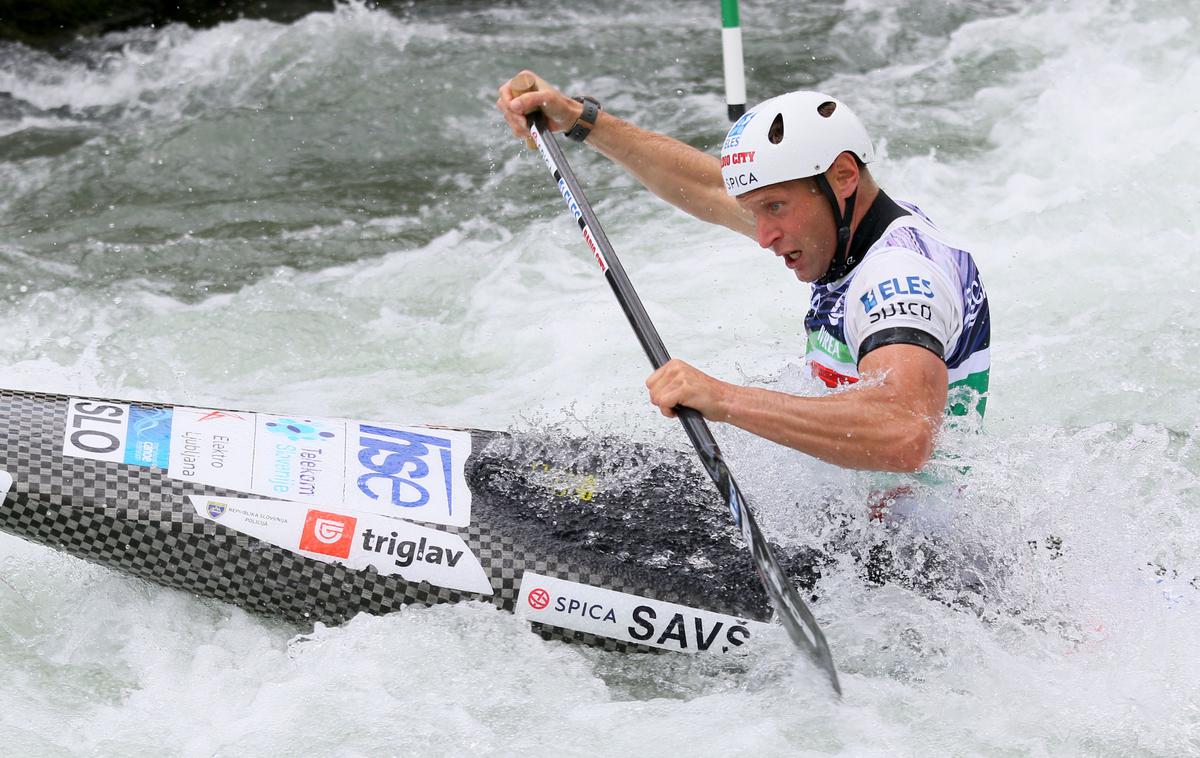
{"x": 841, "y": 263}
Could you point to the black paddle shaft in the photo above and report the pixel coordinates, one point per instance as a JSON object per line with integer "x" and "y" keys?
{"x": 790, "y": 607}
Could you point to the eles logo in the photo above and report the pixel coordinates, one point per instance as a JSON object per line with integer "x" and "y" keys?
{"x": 735, "y": 132}
{"x": 328, "y": 533}
{"x": 869, "y": 301}
{"x": 894, "y": 287}
{"x": 910, "y": 285}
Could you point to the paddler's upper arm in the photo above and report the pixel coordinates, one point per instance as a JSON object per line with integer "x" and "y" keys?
{"x": 903, "y": 317}
{"x": 914, "y": 380}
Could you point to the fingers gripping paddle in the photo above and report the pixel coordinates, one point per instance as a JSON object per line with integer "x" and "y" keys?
{"x": 795, "y": 615}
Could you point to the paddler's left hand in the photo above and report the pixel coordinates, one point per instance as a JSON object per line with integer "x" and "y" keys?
{"x": 678, "y": 383}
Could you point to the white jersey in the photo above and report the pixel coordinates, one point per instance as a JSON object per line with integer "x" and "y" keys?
{"x": 911, "y": 287}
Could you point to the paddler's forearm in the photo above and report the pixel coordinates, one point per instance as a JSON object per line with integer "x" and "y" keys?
{"x": 687, "y": 178}
{"x": 863, "y": 427}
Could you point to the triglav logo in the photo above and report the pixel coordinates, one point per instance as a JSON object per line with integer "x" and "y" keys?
{"x": 328, "y": 533}
{"x": 296, "y": 430}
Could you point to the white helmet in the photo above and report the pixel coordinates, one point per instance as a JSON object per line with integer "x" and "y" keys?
{"x": 793, "y": 136}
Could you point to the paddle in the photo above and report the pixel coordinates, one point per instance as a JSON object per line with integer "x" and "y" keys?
{"x": 796, "y": 618}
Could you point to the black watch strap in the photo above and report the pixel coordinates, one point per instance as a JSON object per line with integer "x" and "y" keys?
{"x": 587, "y": 120}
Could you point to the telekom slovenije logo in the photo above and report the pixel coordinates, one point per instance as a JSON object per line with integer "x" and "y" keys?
{"x": 538, "y": 598}
{"x": 328, "y": 533}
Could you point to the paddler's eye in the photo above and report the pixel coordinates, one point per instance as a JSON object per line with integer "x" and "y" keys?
{"x": 774, "y": 207}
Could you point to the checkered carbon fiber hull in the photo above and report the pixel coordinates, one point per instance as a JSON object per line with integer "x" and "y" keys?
{"x": 642, "y": 525}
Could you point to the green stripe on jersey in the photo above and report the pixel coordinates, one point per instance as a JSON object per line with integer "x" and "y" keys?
{"x": 824, "y": 342}
{"x": 967, "y": 394}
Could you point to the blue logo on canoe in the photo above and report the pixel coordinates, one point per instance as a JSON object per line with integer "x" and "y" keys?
{"x": 299, "y": 429}
{"x": 408, "y": 463}
{"x": 149, "y": 440}
{"x": 216, "y": 509}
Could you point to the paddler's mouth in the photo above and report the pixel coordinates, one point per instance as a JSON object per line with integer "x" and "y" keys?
{"x": 792, "y": 259}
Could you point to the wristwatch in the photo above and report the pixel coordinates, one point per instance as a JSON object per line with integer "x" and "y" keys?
{"x": 587, "y": 120}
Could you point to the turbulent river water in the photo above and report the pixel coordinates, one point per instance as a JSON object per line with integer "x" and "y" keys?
{"x": 328, "y": 217}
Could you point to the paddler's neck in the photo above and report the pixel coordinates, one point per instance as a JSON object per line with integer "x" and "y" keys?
{"x": 868, "y": 191}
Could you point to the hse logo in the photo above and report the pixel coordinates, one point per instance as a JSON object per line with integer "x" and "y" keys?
{"x": 402, "y": 467}
{"x": 297, "y": 430}
{"x": 408, "y": 552}
{"x": 630, "y": 618}
{"x": 328, "y": 533}
{"x": 733, "y": 159}
{"x": 889, "y": 288}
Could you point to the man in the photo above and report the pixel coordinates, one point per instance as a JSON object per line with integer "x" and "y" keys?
{"x": 892, "y": 303}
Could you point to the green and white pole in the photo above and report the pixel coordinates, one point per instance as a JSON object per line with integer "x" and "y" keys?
{"x": 735, "y": 70}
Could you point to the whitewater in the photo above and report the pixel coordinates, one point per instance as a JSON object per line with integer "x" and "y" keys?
{"x": 329, "y": 218}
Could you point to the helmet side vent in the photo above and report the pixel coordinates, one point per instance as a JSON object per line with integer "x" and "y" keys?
{"x": 775, "y": 133}
{"x": 827, "y": 108}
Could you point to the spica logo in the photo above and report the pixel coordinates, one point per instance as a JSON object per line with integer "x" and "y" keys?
{"x": 296, "y": 430}
{"x": 538, "y": 598}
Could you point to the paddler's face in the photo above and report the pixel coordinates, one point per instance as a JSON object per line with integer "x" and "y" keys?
{"x": 795, "y": 221}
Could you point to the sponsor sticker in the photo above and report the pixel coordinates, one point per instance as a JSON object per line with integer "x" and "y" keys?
{"x": 328, "y": 533}
{"x": 212, "y": 447}
{"x": 300, "y": 459}
{"x": 5, "y": 484}
{"x": 149, "y": 437}
{"x": 400, "y": 471}
{"x": 117, "y": 432}
{"x": 630, "y": 618}
{"x": 409, "y": 472}
{"x": 391, "y": 546}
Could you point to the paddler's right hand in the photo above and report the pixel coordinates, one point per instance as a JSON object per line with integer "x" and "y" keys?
{"x": 561, "y": 111}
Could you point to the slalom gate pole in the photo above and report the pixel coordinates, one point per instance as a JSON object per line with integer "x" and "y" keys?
{"x": 731, "y": 53}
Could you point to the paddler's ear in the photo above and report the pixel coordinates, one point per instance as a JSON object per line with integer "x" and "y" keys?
{"x": 844, "y": 175}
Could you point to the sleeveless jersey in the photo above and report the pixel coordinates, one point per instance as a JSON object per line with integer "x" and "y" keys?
{"x": 911, "y": 287}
